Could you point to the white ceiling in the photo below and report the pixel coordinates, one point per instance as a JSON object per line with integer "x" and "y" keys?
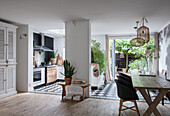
{"x": 107, "y": 16}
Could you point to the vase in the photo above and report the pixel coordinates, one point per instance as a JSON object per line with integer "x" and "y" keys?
{"x": 53, "y": 61}
{"x": 68, "y": 80}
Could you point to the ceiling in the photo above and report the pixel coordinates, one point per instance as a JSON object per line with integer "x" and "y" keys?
{"x": 107, "y": 16}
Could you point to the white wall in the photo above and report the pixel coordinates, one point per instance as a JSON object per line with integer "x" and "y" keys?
{"x": 24, "y": 58}
{"x": 100, "y": 39}
{"x": 59, "y": 43}
{"x": 30, "y": 58}
{"x": 77, "y": 45}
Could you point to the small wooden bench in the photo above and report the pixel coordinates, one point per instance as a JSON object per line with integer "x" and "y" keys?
{"x": 83, "y": 86}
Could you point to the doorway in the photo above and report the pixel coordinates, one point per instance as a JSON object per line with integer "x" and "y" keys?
{"x": 106, "y": 90}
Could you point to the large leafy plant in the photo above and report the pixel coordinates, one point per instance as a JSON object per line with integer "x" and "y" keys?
{"x": 98, "y": 55}
{"x": 135, "y": 64}
{"x": 123, "y": 45}
{"x": 139, "y": 52}
{"x": 69, "y": 70}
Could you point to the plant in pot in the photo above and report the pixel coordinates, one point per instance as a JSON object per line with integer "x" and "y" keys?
{"x": 148, "y": 49}
{"x": 53, "y": 57}
{"x": 69, "y": 71}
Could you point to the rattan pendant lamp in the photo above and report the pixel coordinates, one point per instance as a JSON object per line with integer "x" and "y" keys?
{"x": 142, "y": 34}
{"x": 137, "y": 42}
{"x": 143, "y": 31}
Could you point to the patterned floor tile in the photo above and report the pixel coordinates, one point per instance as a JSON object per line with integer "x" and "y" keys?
{"x": 110, "y": 92}
{"x": 51, "y": 89}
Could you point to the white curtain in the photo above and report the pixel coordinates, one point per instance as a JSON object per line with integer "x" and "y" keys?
{"x": 108, "y": 72}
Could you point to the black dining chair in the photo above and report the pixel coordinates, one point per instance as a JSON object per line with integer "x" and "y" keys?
{"x": 127, "y": 82}
{"x": 126, "y": 77}
{"x": 126, "y": 93}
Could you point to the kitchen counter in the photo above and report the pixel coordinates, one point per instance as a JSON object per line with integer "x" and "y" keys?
{"x": 50, "y": 65}
{"x": 47, "y": 66}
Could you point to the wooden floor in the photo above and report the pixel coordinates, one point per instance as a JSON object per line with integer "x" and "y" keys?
{"x": 32, "y": 104}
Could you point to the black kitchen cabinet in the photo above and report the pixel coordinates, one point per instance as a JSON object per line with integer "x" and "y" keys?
{"x": 48, "y": 41}
{"x": 36, "y": 39}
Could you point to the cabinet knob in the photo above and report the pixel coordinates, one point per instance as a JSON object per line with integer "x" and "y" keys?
{"x": 4, "y": 79}
{"x": 6, "y": 61}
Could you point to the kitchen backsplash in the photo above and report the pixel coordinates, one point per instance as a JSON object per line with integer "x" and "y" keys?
{"x": 39, "y": 57}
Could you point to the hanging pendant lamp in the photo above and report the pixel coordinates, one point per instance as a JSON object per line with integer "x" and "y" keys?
{"x": 137, "y": 42}
{"x": 143, "y": 31}
{"x": 142, "y": 34}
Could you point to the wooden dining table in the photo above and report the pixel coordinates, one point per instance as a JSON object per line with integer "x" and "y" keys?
{"x": 143, "y": 83}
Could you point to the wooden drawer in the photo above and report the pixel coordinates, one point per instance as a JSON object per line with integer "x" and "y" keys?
{"x": 51, "y": 74}
{"x": 51, "y": 68}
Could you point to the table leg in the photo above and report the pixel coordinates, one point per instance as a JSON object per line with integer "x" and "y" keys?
{"x": 149, "y": 102}
{"x": 64, "y": 91}
{"x": 84, "y": 93}
{"x": 156, "y": 101}
{"x": 149, "y": 93}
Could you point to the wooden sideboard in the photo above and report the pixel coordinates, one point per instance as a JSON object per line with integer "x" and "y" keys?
{"x": 50, "y": 74}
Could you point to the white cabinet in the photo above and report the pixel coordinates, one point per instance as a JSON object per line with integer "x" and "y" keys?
{"x": 7, "y": 59}
{"x": 7, "y": 80}
{"x": 2, "y": 80}
{"x": 11, "y": 78}
{"x": 2, "y": 45}
{"x": 11, "y": 46}
{"x": 60, "y": 69}
{"x": 7, "y": 44}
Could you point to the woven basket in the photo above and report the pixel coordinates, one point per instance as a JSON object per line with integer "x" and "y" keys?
{"x": 96, "y": 71}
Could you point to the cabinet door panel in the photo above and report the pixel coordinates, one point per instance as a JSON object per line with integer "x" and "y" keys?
{"x": 2, "y": 79}
{"x": 11, "y": 82}
{"x": 51, "y": 74}
{"x": 60, "y": 70}
{"x": 11, "y": 48}
{"x": 2, "y": 45}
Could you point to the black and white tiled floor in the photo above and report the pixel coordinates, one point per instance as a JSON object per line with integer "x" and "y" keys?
{"x": 108, "y": 92}
{"x": 49, "y": 89}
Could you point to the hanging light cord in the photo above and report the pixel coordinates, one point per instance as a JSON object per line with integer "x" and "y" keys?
{"x": 143, "y": 20}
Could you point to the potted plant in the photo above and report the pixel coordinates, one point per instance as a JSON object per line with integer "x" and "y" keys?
{"x": 69, "y": 71}
{"x": 53, "y": 57}
{"x": 148, "y": 49}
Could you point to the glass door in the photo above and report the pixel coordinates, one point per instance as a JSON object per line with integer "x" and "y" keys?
{"x": 11, "y": 47}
